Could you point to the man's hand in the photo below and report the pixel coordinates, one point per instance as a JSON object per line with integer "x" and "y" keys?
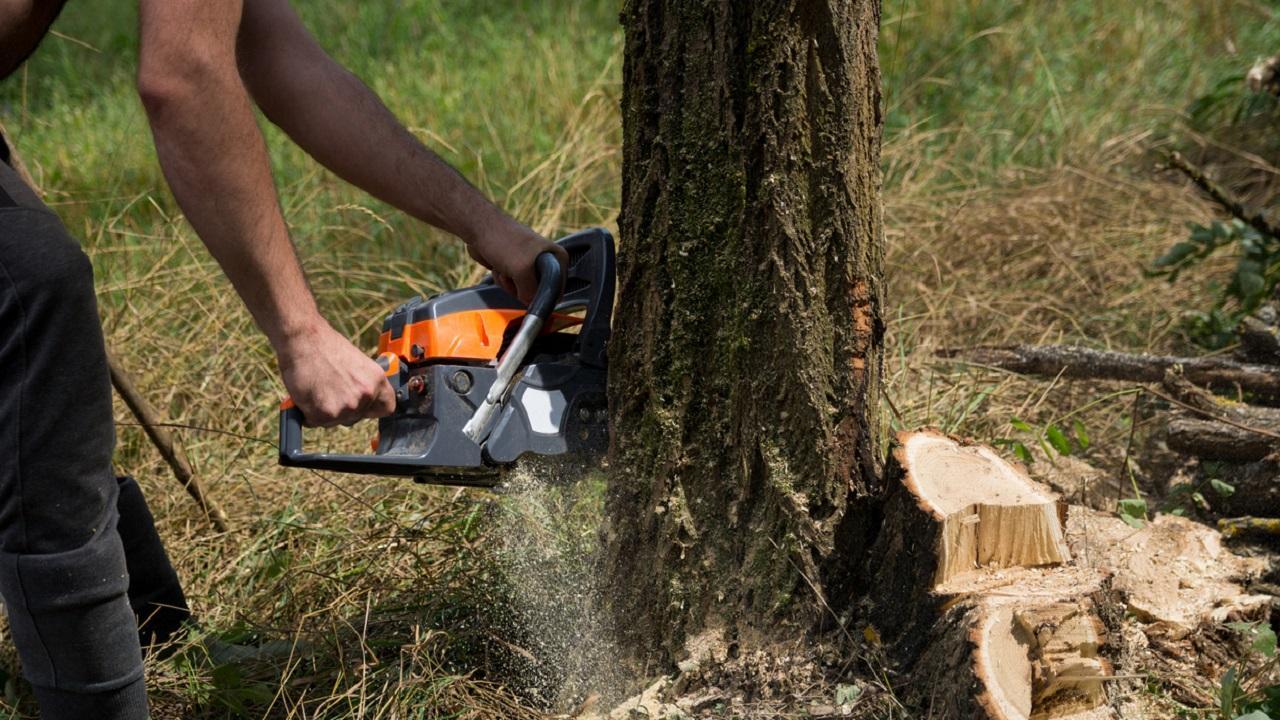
{"x": 331, "y": 381}
{"x": 510, "y": 251}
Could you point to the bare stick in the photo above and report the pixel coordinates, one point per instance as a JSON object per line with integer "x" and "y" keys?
{"x": 1078, "y": 362}
{"x": 1233, "y": 205}
{"x": 164, "y": 442}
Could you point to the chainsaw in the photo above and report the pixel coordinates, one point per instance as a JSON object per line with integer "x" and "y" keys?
{"x": 481, "y": 381}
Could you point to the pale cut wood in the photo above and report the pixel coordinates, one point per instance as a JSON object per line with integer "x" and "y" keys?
{"x": 973, "y": 589}
{"x": 1029, "y": 648}
{"x": 1171, "y": 570}
{"x": 991, "y": 514}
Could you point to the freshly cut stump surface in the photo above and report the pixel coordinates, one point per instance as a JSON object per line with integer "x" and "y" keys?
{"x": 974, "y": 588}
{"x": 991, "y": 515}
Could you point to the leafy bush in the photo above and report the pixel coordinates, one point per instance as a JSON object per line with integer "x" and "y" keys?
{"x": 1252, "y": 281}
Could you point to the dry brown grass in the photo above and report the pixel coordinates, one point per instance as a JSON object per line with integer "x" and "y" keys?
{"x": 389, "y": 595}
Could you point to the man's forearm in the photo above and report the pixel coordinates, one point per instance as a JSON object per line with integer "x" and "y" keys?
{"x": 332, "y": 115}
{"x": 198, "y": 113}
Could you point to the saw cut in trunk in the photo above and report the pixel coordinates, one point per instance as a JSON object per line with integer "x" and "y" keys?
{"x": 974, "y": 590}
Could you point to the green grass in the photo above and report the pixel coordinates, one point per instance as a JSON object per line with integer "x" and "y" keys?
{"x": 1001, "y": 85}
{"x": 1016, "y": 189}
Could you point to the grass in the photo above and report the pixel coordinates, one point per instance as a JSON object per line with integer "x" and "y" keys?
{"x": 1021, "y": 205}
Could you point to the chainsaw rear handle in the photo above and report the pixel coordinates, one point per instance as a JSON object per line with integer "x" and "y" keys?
{"x": 550, "y": 275}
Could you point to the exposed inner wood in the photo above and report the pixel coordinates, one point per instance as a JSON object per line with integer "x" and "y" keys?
{"x": 1171, "y": 570}
{"x": 992, "y": 514}
{"x": 1014, "y": 633}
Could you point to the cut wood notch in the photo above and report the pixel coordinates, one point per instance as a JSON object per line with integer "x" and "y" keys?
{"x": 975, "y": 589}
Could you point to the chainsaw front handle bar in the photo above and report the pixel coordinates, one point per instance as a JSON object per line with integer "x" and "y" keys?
{"x": 550, "y": 275}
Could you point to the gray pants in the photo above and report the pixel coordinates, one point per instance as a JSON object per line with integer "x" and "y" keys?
{"x": 80, "y": 562}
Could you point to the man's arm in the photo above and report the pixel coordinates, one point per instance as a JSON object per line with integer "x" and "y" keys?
{"x": 332, "y": 115}
{"x": 215, "y": 160}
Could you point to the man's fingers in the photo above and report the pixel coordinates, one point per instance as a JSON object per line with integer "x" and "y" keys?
{"x": 526, "y": 285}
{"x": 505, "y": 283}
{"x": 563, "y": 256}
{"x": 385, "y": 402}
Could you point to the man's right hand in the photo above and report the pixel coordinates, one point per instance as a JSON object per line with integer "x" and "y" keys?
{"x": 331, "y": 381}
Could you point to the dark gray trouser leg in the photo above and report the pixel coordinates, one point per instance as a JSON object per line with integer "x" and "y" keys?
{"x": 62, "y": 563}
{"x": 155, "y": 592}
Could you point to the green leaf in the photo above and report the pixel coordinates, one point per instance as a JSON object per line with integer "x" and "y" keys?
{"x": 1255, "y": 715}
{"x": 1023, "y": 453}
{"x": 226, "y": 677}
{"x": 1082, "y": 437}
{"x": 1058, "y": 439}
{"x": 1200, "y": 235}
{"x": 1179, "y": 252}
{"x": 1020, "y": 425}
{"x": 1222, "y": 488}
{"x": 1133, "y": 511}
{"x": 1200, "y": 502}
{"x": 847, "y": 694}
{"x": 1228, "y": 691}
{"x": 1251, "y": 284}
{"x": 1264, "y": 640}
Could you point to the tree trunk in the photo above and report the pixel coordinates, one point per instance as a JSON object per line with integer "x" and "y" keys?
{"x": 746, "y": 357}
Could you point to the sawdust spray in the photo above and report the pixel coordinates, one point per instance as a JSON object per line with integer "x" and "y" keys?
{"x": 549, "y": 522}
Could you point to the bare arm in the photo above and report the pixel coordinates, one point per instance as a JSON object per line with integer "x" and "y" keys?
{"x": 332, "y": 115}
{"x": 214, "y": 158}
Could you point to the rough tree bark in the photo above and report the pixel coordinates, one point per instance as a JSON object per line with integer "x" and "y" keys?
{"x": 747, "y": 347}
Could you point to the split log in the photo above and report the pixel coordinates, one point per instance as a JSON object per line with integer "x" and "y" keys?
{"x": 1077, "y": 362}
{"x": 1218, "y": 441}
{"x": 972, "y": 593}
{"x": 1028, "y": 654}
{"x": 1216, "y": 428}
{"x": 1179, "y": 585}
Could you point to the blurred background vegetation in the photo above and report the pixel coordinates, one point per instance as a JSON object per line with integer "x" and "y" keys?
{"x": 1024, "y": 202}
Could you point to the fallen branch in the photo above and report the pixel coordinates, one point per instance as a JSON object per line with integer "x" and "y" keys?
{"x": 1077, "y": 362}
{"x": 1257, "y": 220}
{"x": 1218, "y": 441}
{"x": 164, "y": 442}
{"x": 1223, "y": 430}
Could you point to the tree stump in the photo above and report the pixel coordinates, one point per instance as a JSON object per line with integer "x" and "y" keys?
{"x": 974, "y": 590}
